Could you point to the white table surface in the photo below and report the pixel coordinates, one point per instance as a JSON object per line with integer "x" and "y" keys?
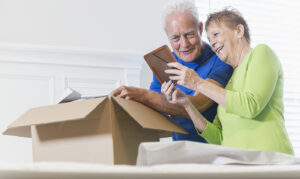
{"x": 172, "y": 171}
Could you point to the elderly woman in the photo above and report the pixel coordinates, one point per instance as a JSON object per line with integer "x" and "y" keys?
{"x": 250, "y": 112}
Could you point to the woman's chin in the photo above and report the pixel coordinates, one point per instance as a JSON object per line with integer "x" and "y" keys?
{"x": 224, "y": 59}
{"x": 221, "y": 58}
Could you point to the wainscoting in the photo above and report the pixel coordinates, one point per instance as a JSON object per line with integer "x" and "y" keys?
{"x": 33, "y": 76}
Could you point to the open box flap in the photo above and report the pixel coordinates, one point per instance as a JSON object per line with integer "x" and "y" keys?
{"x": 147, "y": 117}
{"x": 75, "y": 110}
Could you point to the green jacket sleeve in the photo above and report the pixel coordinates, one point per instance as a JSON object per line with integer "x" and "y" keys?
{"x": 260, "y": 83}
{"x": 213, "y": 132}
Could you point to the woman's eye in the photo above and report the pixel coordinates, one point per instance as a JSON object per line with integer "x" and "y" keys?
{"x": 215, "y": 34}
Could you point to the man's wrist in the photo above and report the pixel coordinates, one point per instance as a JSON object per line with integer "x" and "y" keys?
{"x": 144, "y": 96}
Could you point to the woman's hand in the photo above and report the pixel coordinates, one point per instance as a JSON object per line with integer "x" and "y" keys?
{"x": 177, "y": 97}
{"x": 184, "y": 75}
{"x": 166, "y": 89}
{"x": 180, "y": 98}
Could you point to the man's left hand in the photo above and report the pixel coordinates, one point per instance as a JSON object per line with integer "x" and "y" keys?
{"x": 127, "y": 92}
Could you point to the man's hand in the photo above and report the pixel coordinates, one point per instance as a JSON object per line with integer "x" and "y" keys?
{"x": 131, "y": 93}
{"x": 159, "y": 102}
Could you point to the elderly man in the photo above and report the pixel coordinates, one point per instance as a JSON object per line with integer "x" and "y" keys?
{"x": 184, "y": 32}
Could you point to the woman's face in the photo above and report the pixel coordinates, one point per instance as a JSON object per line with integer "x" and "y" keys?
{"x": 223, "y": 40}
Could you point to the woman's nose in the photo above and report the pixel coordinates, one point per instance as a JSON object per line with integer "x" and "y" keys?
{"x": 212, "y": 43}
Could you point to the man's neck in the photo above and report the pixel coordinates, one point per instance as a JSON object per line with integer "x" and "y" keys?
{"x": 203, "y": 46}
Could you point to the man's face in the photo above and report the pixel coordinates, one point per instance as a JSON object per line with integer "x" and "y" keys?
{"x": 184, "y": 36}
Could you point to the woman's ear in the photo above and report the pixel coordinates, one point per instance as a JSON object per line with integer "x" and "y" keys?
{"x": 240, "y": 30}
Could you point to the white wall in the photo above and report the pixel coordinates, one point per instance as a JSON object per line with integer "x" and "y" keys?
{"x": 131, "y": 25}
{"x": 49, "y": 45}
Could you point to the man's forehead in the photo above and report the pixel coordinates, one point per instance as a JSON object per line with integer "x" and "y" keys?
{"x": 180, "y": 21}
{"x": 185, "y": 16}
{"x": 180, "y": 18}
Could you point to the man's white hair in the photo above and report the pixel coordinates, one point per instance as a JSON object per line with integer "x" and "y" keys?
{"x": 180, "y": 7}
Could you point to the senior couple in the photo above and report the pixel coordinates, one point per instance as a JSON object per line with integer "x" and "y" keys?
{"x": 227, "y": 93}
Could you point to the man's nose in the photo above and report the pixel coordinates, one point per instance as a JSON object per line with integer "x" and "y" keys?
{"x": 184, "y": 42}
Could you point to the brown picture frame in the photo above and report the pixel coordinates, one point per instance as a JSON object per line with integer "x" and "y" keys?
{"x": 157, "y": 60}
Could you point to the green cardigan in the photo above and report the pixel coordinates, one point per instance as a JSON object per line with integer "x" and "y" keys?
{"x": 253, "y": 118}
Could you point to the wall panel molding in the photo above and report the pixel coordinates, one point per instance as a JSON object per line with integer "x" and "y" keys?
{"x": 92, "y": 86}
{"x": 69, "y": 56}
{"x": 25, "y": 77}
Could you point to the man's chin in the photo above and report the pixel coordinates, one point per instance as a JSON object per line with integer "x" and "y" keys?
{"x": 187, "y": 58}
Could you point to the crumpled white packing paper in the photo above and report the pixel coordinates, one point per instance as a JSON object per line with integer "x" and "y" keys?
{"x": 153, "y": 153}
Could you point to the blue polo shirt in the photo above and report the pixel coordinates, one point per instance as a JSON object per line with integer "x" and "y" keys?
{"x": 208, "y": 65}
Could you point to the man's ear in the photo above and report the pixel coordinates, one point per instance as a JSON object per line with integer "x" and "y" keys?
{"x": 240, "y": 30}
{"x": 200, "y": 28}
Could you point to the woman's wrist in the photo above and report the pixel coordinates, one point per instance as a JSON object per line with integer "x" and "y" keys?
{"x": 199, "y": 84}
{"x": 198, "y": 120}
{"x": 187, "y": 105}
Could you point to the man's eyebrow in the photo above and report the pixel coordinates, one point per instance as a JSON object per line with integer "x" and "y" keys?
{"x": 185, "y": 33}
{"x": 189, "y": 31}
{"x": 173, "y": 36}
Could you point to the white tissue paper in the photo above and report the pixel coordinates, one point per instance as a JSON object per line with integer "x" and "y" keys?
{"x": 153, "y": 153}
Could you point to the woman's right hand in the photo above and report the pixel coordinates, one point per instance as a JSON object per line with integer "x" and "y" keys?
{"x": 184, "y": 76}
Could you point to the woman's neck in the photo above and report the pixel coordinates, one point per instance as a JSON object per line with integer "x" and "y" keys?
{"x": 243, "y": 48}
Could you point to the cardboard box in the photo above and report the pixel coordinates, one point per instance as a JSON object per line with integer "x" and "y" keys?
{"x": 102, "y": 130}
